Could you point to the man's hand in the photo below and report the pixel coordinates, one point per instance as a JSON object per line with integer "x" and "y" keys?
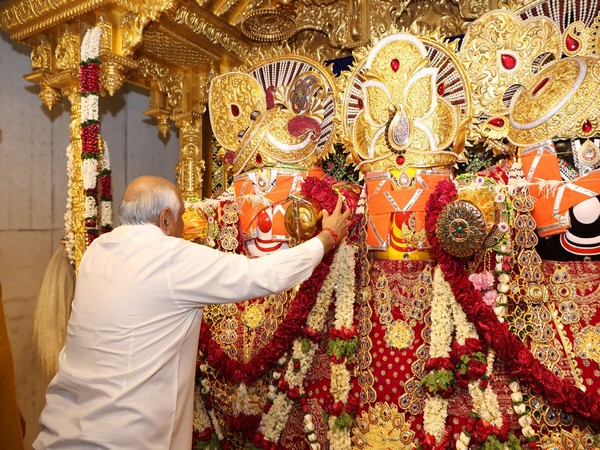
{"x": 335, "y": 226}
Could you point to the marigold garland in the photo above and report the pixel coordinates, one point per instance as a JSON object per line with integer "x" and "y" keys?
{"x": 518, "y": 360}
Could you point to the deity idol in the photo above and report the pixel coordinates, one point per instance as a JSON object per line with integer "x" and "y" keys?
{"x": 546, "y": 322}
{"x": 265, "y": 373}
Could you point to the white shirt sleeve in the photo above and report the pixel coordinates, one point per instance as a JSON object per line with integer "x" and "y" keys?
{"x": 200, "y": 275}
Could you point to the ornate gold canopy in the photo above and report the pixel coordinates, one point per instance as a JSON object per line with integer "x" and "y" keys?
{"x": 174, "y": 48}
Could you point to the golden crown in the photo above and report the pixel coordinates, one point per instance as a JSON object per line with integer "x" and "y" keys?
{"x": 277, "y": 114}
{"x": 404, "y": 104}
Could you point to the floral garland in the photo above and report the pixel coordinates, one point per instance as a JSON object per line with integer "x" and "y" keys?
{"x": 69, "y": 233}
{"x": 236, "y": 371}
{"x": 89, "y": 79}
{"x": 341, "y": 347}
{"x": 518, "y": 360}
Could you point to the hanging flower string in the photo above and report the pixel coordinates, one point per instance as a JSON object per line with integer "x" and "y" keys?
{"x": 89, "y": 79}
{"x": 105, "y": 191}
{"x": 518, "y": 360}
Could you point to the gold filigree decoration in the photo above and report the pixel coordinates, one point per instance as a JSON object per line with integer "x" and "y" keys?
{"x": 558, "y": 102}
{"x": 168, "y": 81}
{"x": 576, "y": 439}
{"x": 460, "y": 229}
{"x": 190, "y": 167}
{"x": 499, "y": 51}
{"x": 49, "y": 96}
{"x": 227, "y": 38}
{"x": 67, "y": 51}
{"x": 172, "y": 48}
{"x": 279, "y": 114}
{"x": 383, "y": 427}
{"x": 395, "y": 102}
{"x": 26, "y": 17}
{"x": 41, "y": 55}
{"x": 268, "y": 25}
{"x": 587, "y": 343}
{"x": 243, "y": 329}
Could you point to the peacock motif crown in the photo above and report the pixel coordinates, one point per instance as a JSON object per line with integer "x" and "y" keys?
{"x": 278, "y": 114}
{"x": 404, "y": 104}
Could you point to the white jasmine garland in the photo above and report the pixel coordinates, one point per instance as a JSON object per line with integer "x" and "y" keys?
{"x": 89, "y": 173}
{"x": 339, "y": 439}
{"x": 441, "y": 323}
{"x": 340, "y": 382}
{"x": 90, "y": 48}
{"x": 90, "y": 208}
{"x": 521, "y": 409}
{"x": 215, "y": 424}
{"x": 485, "y": 403}
{"x": 272, "y": 424}
{"x": 105, "y": 213}
{"x": 89, "y": 108}
{"x": 436, "y": 408}
{"x": 68, "y": 233}
{"x": 434, "y": 416}
{"x": 201, "y": 419}
{"x": 345, "y": 290}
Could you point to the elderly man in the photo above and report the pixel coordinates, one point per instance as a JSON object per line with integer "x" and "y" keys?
{"x": 126, "y": 373}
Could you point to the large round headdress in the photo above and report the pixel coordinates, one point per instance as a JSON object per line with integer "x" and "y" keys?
{"x": 280, "y": 113}
{"x": 404, "y": 104}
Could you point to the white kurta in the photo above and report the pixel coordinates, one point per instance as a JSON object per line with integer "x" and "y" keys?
{"x": 126, "y": 374}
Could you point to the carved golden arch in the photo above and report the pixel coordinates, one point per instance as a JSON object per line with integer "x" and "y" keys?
{"x": 173, "y": 48}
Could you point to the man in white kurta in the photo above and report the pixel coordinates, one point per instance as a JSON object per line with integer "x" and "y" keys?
{"x": 126, "y": 373}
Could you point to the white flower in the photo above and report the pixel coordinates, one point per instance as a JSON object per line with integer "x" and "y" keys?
{"x": 434, "y": 416}
{"x": 105, "y": 213}
{"x": 514, "y": 386}
{"x": 91, "y": 210}
{"x": 89, "y": 173}
{"x": 528, "y": 432}
{"x": 516, "y": 397}
{"x": 89, "y": 107}
{"x": 525, "y": 421}
{"x": 461, "y": 446}
{"x": 521, "y": 408}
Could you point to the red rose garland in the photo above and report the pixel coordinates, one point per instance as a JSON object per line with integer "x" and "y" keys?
{"x": 89, "y": 81}
{"x": 518, "y": 360}
{"x": 295, "y": 320}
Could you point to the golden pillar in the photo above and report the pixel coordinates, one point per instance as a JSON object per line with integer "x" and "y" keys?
{"x": 190, "y": 168}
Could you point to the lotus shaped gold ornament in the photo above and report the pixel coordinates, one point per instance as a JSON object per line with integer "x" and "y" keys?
{"x": 403, "y": 114}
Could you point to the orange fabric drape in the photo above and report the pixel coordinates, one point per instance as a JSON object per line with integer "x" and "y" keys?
{"x": 552, "y": 202}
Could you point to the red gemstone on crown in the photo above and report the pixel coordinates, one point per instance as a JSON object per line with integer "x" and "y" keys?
{"x": 508, "y": 61}
{"x": 586, "y": 127}
{"x": 235, "y": 110}
{"x": 571, "y": 43}
{"x": 540, "y": 85}
{"x": 258, "y": 158}
{"x": 497, "y": 122}
{"x": 360, "y": 103}
{"x": 400, "y": 160}
{"x": 395, "y": 65}
{"x": 441, "y": 89}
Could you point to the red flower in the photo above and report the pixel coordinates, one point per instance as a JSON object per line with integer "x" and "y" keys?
{"x": 518, "y": 360}
{"x": 288, "y": 330}
{"x": 293, "y": 393}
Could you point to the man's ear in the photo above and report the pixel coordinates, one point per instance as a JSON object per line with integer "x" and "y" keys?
{"x": 165, "y": 221}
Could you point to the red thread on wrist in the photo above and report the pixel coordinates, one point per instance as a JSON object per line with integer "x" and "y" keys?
{"x": 334, "y": 235}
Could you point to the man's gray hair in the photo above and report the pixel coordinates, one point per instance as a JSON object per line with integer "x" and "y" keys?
{"x": 146, "y": 206}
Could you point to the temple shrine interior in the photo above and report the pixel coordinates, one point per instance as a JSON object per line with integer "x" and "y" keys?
{"x": 463, "y": 309}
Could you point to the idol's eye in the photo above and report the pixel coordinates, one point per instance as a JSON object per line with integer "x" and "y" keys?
{"x": 587, "y": 211}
